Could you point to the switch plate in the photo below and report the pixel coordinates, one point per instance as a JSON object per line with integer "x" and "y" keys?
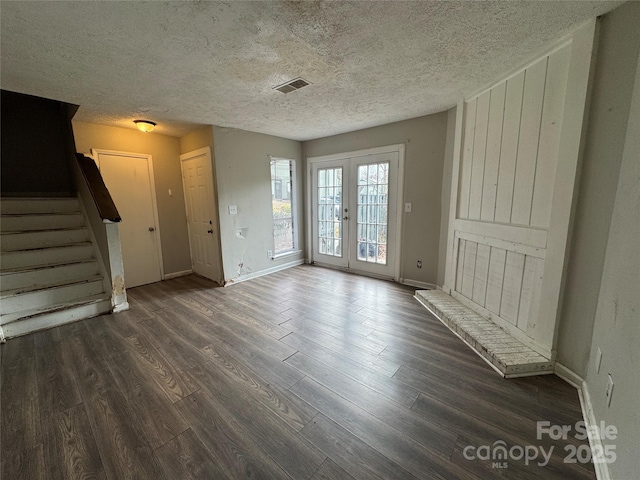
{"x": 609, "y": 392}
{"x": 598, "y": 360}
{"x": 407, "y": 207}
{"x": 233, "y": 209}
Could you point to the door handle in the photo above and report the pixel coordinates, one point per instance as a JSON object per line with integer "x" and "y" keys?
{"x": 152, "y": 229}
{"x": 209, "y": 231}
{"x": 345, "y": 218}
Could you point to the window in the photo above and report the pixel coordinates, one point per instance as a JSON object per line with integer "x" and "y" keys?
{"x": 283, "y": 205}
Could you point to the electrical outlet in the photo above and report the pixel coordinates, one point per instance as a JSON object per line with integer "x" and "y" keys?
{"x": 407, "y": 207}
{"x": 598, "y": 360}
{"x": 419, "y": 264}
{"x": 609, "y": 392}
{"x": 269, "y": 253}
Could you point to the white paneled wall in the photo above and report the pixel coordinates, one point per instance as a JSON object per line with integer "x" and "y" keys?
{"x": 511, "y": 140}
{"x": 510, "y": 213}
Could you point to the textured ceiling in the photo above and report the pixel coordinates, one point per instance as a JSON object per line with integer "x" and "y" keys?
{"x": 183, "y": 64}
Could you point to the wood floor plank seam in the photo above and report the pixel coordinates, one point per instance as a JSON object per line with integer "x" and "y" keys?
{"x": 308, "y": 373}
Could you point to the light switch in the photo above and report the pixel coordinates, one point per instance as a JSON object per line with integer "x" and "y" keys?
{"x": 407, "y": 207}
{"x": 233, "y": 209}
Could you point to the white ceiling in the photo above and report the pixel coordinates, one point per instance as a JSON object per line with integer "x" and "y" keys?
{"x": 183, "y": 64}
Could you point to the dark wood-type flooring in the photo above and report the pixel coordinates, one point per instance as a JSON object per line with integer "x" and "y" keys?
{"x": 308, "y": 373}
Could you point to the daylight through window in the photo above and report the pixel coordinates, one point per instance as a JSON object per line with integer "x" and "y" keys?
{"x": 282, "y": 202}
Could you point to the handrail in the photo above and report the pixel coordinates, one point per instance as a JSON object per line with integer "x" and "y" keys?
{"x": 101, "y": 196}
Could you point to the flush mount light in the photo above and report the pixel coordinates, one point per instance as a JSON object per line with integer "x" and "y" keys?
{"x": 145, "y": 125}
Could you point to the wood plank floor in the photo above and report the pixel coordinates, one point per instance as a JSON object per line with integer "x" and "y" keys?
{"x": 308, "y": 373}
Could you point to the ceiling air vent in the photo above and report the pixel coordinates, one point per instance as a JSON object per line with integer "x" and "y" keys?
{"x": 290, "y": 86}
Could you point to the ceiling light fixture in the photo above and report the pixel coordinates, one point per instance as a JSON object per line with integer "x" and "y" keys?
{"x": 145, "y": 125}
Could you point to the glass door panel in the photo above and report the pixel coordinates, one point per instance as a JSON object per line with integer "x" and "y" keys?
{"x": 372, "y": 207}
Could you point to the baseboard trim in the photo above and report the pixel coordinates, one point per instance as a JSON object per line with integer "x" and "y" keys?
{"x": 417, "y": 284}
{"x": 595, "y": 442}
{"x": 261, "y": 273}
{"x": 183, "y": 273}
{"x": 568, "y": 375}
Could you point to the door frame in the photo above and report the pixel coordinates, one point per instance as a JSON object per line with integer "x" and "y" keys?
{"x": 397, "y": 148}
{"x": 206, "y": 152}
{"x": 95, "y": 153}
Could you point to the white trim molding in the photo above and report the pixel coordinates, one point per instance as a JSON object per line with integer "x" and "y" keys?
{"x": 183, "y": 273}
{"x": 418, "y": 284}
{"x": 595, "y": 442}
{"x": 261, "y": 273}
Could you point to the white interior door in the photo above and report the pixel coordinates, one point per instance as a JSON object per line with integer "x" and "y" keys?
{"x": 354, "y": 212}
{"x": 197, "y": 178}
{"x": 129, "y": 179}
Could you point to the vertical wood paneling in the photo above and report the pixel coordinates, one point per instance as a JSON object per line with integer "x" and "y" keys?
{"x": 479, "y": 150}
{"x": 481, "y": 273}
{"x": 492, "y": 156}
{"x": 527, "y": 291}
{"x": 460, "y": 263}
{"x": 510, "y": 133}
{"x": 497, "y": 262}
{"x": 469, "y": 268}
{"x": 534, "y": 307}
{"x": 467, "y": 159}
{"x": 511, "y": 287}
{"x": 528, "y": 142}
{"x": 550, "y": 128}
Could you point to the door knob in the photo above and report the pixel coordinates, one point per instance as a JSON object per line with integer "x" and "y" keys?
{"x": 345, "y": 218}
{"x": 209, "y": 231}
{"x": 152, "y": 229}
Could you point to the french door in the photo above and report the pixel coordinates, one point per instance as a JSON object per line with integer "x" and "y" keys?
{"x": 354, "y": 212}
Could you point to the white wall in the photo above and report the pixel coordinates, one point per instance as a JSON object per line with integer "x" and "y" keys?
{"x": 617, "y": 321}
{"x": 424, "y": 139}
{"x": 244, "y": 180}
{"x": 516, "y": 152}
{"x": 613, "y": 83}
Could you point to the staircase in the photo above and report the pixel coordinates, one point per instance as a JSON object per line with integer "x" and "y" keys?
{"x": 49, "y": 273}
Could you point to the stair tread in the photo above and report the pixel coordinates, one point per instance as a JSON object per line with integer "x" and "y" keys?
{"x": 50, "y": 247}
{"x": 33, "y": 268}
{"x": 44, "y": 230}
{"x": 39, "y": 214}
{"x": 37, "y": 288}
{"x": 15, "y": 316}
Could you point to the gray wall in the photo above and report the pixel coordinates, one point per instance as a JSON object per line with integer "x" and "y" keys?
{"x": 617, "y": 322}
{"x": 244, "y": 179}
{"x": 165, "y": 151}
{"x": 424, "y": 140}
{"x": 617, "y": 55}
{"x": 446, "y": 194}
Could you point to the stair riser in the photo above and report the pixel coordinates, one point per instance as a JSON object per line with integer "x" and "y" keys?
{"x": 51, "y": 296}
{"x": 40, "y": 222}
{"x": 45, "y": 205}
{"x": 53, "y": 319}
{"x": 46, "y": 257}
{"x": 23, "y": 241}
{"x": 48, "y": 276}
